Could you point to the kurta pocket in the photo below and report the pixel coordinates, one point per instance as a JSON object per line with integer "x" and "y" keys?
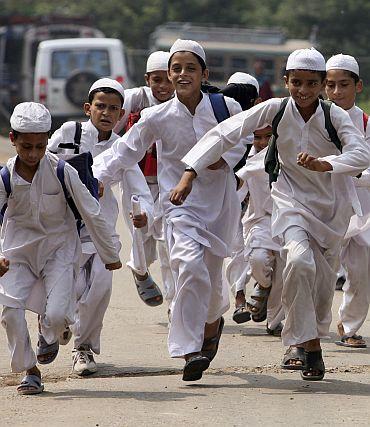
{"x": 53, "y": 205}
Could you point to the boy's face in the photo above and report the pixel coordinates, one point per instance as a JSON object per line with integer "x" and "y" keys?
{"x": 160, "y": 85}
{"x": 304, "y": 87}
{"x": 341, "y": 88}
{"x": 261, "y": 138}
{"x": 30, "y": 147}
{"x": 186, "y": 74}
{"x": 104, "y": 111}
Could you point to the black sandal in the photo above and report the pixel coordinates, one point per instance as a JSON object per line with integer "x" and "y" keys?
{"x": 293, "y": 353}
{"x": 313, "y": 363}
{"x": 214, "y": 341}
{"x": 194, "y": 367}
{"x": 241, "y": 314}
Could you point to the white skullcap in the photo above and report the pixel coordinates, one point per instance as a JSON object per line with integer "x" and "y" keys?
{"x": 188, "y": 46}
{"x": 107, "y": 82}
{"x": 243, "y": 78}
{"x": 343, "y": 62}
{"x": 157, "y": 61}
{"x": 30, "y": 117}
{"x": 306, "y": 59}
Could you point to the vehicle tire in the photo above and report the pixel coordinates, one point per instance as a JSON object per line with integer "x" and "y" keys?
{"x": 78, "y": 85}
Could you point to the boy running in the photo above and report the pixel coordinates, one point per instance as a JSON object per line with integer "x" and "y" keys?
{"x": 40, "y": 247}
{"x": 311, "y": 198}
{"x": 342, "y": 85}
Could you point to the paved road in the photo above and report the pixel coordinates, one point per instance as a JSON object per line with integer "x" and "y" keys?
{"x": 138, "y": 384}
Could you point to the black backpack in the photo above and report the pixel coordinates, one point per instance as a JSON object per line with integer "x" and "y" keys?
{"x": 272, "y": 164}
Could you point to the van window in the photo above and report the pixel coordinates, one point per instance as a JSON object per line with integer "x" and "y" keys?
{"x": 64, "y": 62}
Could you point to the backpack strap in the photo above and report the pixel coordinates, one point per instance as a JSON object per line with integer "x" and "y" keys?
{"x": 75, "y": 145}
{"x": 219, "y": 106}
{"x": 365, "y": 119}
{"x": 71, "y": 203}
{"x": 5, "y": 176}
{"x": 326, "y": 105}
{"x": 272, "y": 164}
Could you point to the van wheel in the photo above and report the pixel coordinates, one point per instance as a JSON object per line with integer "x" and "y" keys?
{"x": 78, "y": 85}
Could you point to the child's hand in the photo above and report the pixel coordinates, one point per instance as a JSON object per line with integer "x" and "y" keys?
{"x": 139, "y": 221}
{"x": 100, "y": 189}
{"x": 312, "y": 163}
{"x": 114, "y": 266}
{"x": 183, "y": 188}
{"x": 217, "y": 165}
{"x": 4, "y": 266}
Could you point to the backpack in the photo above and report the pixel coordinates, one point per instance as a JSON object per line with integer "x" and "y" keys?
{"x": 272, "y": 164}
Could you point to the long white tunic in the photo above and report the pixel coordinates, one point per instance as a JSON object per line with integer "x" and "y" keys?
{"x": 38, "y": 222}
{"x": 132, "y": 179}
{"x": 317, "y": 202}
{"x": 213, "y": 205}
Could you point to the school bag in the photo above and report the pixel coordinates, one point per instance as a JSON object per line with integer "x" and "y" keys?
{"x": 272, "y": 164}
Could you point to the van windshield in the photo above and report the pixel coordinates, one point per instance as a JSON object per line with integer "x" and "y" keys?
{"x": 65, "y": 62}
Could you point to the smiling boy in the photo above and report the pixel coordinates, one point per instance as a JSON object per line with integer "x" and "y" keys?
{"x": 311, "y": 210}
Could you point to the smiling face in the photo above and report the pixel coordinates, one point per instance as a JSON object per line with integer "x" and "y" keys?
{"x": 186, "y": 74}
{"x": 341, "y": 88}
{"x": 160, "y": 85}
{"x": 304, "y": 87}
{"x": 104, "y": 111}
{"x": 30, "y": 148}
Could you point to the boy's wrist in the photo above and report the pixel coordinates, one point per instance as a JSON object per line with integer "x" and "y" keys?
{"x": 191, "y": 171}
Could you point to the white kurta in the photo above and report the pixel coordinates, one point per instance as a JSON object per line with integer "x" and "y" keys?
{"x": 95, "y": 282}
{"x": 311, "y": 210}
{"x": 40, "y": 240}
{"x": 356, "y": 251}
{"x": 207, "y": 217}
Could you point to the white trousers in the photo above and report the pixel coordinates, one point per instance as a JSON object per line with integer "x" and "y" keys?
{"x": 58, "y": 282}
{"x": 93, "y": 291}
{"x": 309, "y": 280}
{"x": 267, "y": 269}
{"x": 356, "y": 290}
{"x": 237, "y": 271}
{"x": 201, "y": 296}
{"x": 155, "y": 242}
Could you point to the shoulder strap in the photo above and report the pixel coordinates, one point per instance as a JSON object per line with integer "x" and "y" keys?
{"x": 365, "y": 119}
{"x": 60, "y": 175}
{"x": 326, "y": 105}
{"x": 5, "y": 176}
{"x": 272, "y": 164}
{"x": 219, "y": 106}
{"x": 77, "y": 139}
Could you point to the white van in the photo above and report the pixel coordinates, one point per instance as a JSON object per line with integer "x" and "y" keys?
{"x": 66, "y": 68}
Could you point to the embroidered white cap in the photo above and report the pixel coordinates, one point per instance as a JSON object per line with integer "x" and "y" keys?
{"x": 157, "y": 61}
{"x": 306, "y": 59}
{"x": 30, "y": 117}
{"x": 243, "y": 78}
{"x": 343, "y": 62}
{"x": 188, "y": 46}
{"x": 107, "y": 82}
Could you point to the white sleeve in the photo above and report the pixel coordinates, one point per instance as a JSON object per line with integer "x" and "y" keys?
{"x": 125, "y": 152}
{"x": 66, "y": 133}
{"x": 90, "y": 211}
{"x": 355, "y": 156}
{"x": 229, "y": 133}
{"x": 3, "y": 200}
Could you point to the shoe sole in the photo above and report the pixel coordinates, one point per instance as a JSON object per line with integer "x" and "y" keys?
{"x": 85, "y": 372}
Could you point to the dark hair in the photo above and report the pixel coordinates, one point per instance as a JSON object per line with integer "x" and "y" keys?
{"x": 352, "y": 75}
{"x": 322, "y": 74}
{"x": 104, "y": 90}
{"x": 245, "y": 94}
{"x": 200, "y": 60}
{"x": 16, "y": 133}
